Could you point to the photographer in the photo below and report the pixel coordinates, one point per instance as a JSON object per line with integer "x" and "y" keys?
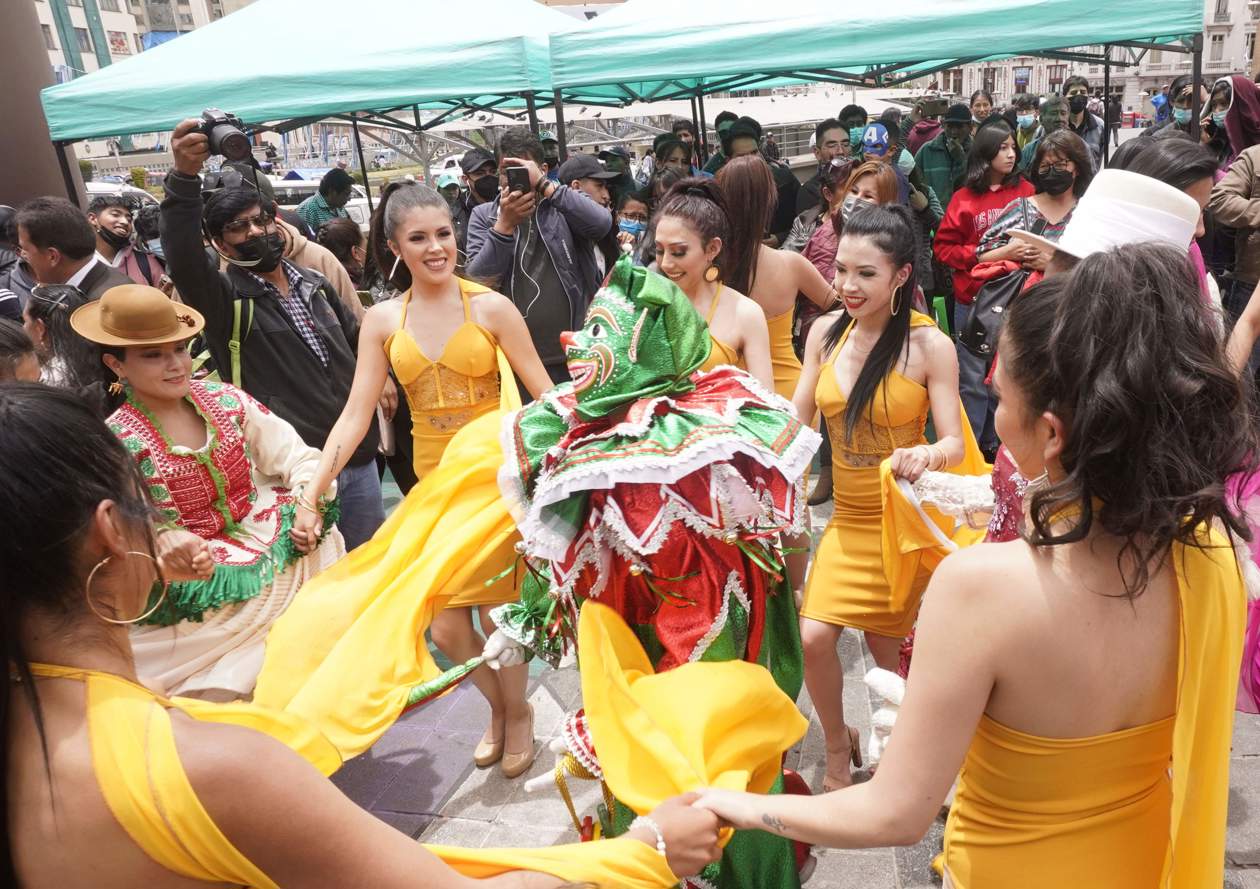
{"x": 296, "y": 340}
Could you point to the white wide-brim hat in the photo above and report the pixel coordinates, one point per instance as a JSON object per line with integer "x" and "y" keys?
{"x": 1121, "y": 208}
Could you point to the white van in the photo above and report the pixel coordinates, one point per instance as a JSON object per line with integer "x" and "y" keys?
{"x": 126, "y": 189}
{"x": 291, "y": 192}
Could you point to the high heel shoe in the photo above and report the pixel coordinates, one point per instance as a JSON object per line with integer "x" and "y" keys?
{"x": 488, "y": 753}
{"x": 516, "y": 764}
{"x": 855, "y": 757}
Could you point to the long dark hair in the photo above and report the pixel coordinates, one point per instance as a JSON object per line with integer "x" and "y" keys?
{"x": 891, "y": 229}
{"x": 748, "y": 184}
{"x": 61, "y": 462}
{"x": 1155, "y": 419}
{"x": 396, "y": 200}
{"x": 701, "y": 203}
{"x": 52, "y": 304}
{"x": 1175, "y": 159}
{"x": 984, "y": 149}
{"x": 14, "y": 346}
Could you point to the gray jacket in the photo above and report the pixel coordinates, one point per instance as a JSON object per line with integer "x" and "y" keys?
{"x": 569, "y": 222}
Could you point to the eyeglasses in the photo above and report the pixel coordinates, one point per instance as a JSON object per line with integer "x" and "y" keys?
{"x": 1061, "y": 167}
{"x": 262, "y": 220}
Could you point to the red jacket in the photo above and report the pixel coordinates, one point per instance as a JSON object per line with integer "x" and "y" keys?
{"x": 967, "y": 219}
{"x": 922, "y": 132}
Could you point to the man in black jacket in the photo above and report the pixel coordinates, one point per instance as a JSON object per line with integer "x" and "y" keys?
{"x": 295, "y": 340}
{"x": 60, "y": 247}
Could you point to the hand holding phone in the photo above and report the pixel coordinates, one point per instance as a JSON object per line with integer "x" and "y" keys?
{"x": 518, "y": 179}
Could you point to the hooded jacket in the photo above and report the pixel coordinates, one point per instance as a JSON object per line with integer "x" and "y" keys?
{"x": 923, "y": 132}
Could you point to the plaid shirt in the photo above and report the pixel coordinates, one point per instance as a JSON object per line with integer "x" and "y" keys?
{"x": 315, "y": 211}
{"x": 297, "y": 308}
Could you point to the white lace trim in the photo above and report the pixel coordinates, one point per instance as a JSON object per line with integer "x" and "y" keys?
{"x": 732, "y": 589}
{"x": 955, "y": 495}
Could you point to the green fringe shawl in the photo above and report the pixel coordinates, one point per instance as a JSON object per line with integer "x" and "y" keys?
{"x": 191, "y": 599}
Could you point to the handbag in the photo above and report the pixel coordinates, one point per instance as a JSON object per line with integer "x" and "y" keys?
{"x": 980, "y": 334}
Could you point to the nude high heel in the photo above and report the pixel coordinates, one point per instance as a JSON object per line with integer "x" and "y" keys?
{"x": 516, "y": 764}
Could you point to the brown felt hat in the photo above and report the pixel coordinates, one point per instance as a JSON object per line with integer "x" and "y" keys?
{"x": 136, "y": 315}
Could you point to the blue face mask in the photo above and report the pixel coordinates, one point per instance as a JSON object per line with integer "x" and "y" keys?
{"x": 1218, "y": 118}
{"x": 632, "y": 227}
{"x": 1181, "y": 115}
{"x": 155, "y": 247}
{"x": 1026, "y": 121}
{"x": 855, "y": 136}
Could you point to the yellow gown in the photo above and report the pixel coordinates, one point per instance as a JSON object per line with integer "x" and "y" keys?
{"x": 444, "y": 396}
{"x": 720, "y": 353}
{"x": 1044, "y": 813}
{"x": 787, "y": 367}
{"x": 847, "y": 584}
{"x": 703, "y": 724}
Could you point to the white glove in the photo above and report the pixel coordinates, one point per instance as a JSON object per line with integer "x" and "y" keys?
{"x": 502, "y": 651}
{"x": 892, "y": 688}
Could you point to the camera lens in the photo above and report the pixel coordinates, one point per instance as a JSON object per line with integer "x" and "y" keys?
{"x": 230, "y": 142}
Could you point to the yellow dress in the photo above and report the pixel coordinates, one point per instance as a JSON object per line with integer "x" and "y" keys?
{"x": 1045, "y": 813}
{"x": 702, "y": 725}
{"x": 847, "y": 584}
{"x": 444, "y": 396}
{"x": 720, "y": 353}
{"x": 787, "y": 367}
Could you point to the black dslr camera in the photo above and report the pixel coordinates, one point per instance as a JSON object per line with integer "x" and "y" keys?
{"x": 226, "y": 134}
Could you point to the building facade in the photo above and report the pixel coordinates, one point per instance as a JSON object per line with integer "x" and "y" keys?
{"x": 86, "y": 35}
{"x": 162, "y": 20}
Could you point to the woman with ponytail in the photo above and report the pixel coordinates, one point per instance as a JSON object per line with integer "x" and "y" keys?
{"x": 453, "y": 346}
{"x": 874, "y": 373}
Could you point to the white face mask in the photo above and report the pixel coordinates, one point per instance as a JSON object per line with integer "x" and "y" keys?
{"x": 853, "y": 205}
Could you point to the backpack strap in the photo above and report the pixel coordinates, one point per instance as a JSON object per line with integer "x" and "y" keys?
{"x": 234, "y": 344}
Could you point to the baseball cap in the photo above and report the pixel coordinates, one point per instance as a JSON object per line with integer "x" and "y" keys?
{"x": 583, "y": 166}
{"x": 547, "y": 136}
{"x": 957, "y": 113}
{"x": 618, "y": 150}
{"x": 875, "y": 140}
{"x": 447, "y": 177}
{"x": 474, "y": 159}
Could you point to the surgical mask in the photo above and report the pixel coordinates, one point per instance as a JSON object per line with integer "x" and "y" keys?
{"x": 1181, "y": 115}
{"x": 1025, "y": 121}
{"x": 155, "y": 247}
{"x": 1218, "y": 118}
{"x": 1054, "y": 182}
{"x": 113, "y": 239}
{"x": 486, "y": 188}
{"x": 1078, "y": 103}
{"x": 855, "y": 137}
{"x": 261, "y": 254}
{"x": 632, "y": 227}
{"x": 853, "y": 205}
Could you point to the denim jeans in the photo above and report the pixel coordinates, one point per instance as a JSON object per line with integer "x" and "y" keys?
{"x": 362, "y": 509}
{"x": 978, "y": 402}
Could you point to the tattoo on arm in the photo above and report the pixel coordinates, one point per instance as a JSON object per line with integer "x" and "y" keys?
{"x": 337, "y": 460}
{"x": 774, "y": 822}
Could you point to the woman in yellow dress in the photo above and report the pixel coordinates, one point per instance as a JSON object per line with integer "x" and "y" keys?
{"x": 1065, "y": 672}
{"x": 691, "y": 224}
{"x": 874, "y": 372}
{"x": 111, "y": 785}
{"x": 771, "y": 278}
{"x": 463, "y": 326}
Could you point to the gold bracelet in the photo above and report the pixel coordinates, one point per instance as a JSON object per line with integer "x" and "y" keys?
{"x": 944, "y": 457}
{"x": 303, "y": 503}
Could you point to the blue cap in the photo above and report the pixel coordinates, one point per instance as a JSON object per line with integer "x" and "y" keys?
{"x": 875, "y": 140}
{"x": 447, "y": 177}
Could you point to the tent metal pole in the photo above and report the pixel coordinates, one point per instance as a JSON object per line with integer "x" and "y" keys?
{"x": 1106, "y": 104}
{"x": 695, "y": 116}
{"x": 561, "y": 137}
{"x": 72, "y": 192}
{"x": 532, "y": 109}
{"x": 358, "y": 146}
{"x": 704, "y": 129}
{"x": 1196, "y": 78}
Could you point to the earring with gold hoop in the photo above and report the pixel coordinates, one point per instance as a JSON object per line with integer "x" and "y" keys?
{"x": 87, "y": 591}
{"x": 711, "y": 274}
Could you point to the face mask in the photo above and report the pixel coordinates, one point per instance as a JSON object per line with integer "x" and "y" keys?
{"x": 155, "y": 247}
{"x": 113, "y": 239}
{"x": 260, "y": 254}
{"x": 486, "y": 188}
{"x": 1218, "y": 118}
{"x": 853, "y": 205}
{"x": 632, "y": 227}
{"x": 1181, "y": 115}
{"x": 1078, "y": 103}
{"x": 1055, "y": 182}
{"x": 855, "y": 136}
{"x": 1025, "y": 121}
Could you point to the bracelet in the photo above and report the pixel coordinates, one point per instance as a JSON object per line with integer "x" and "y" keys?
{"x": 937, "y": 451}
{"x": 645, "y": 821}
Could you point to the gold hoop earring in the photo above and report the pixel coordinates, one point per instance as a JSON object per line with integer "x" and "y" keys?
{"x": 896, "y": 301}
{"x": 711, "y": 274}
{"x": 87, "y": 591}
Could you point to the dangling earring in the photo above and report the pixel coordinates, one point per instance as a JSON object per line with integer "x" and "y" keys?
{"x": 397, "y": 259}
{"x": 711, "y": 274}
{"x": 117, "y": 387}
{"x": 87, "y": 591}
{"x": 896, "y": 300}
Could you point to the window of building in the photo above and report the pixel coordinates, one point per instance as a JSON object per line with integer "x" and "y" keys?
{"x": 1251, "y": 46}
{"x": 1218, "y": 48}
{"x": 1156, "y": 56}
{"x": 49, "y": 43}
{"x": 1222, "y": 7}
{"x": 84, "y": 39}
{"x": 118, "y": 44}
{"x": 1056, "y": 74}
{"x": 109, "y": 5}
{"x": 186, "y": 19}
{"x": 990, "y": 80}
{"x": 74, "y": 2}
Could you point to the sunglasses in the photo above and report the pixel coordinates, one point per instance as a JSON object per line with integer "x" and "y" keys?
{"x": 262, "y": 220}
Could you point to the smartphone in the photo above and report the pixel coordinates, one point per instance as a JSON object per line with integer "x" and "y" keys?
{"x": 365, "y": 297}
{"x": 935, "y": 107}
{"x": 518, "y": 179}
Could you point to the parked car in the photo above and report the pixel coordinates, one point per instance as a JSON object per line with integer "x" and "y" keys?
{"x": 291, "y": 192}
{"x": 99, "y": 187}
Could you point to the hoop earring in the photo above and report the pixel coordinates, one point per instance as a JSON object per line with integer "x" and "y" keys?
{"x": 896, "y": 301}
{"x": 87, "y": 591}
{"x": 711, "y": 274}
{"x": 397, "y": 259}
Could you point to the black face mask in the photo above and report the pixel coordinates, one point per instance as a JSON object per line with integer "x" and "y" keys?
{"x": 1078, "y": 103}
{"x": 261, "y": 254}
{"x": 113, "y": 239}
{"x": 1055, "y": 182}
{"x": 486, "y": 188}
